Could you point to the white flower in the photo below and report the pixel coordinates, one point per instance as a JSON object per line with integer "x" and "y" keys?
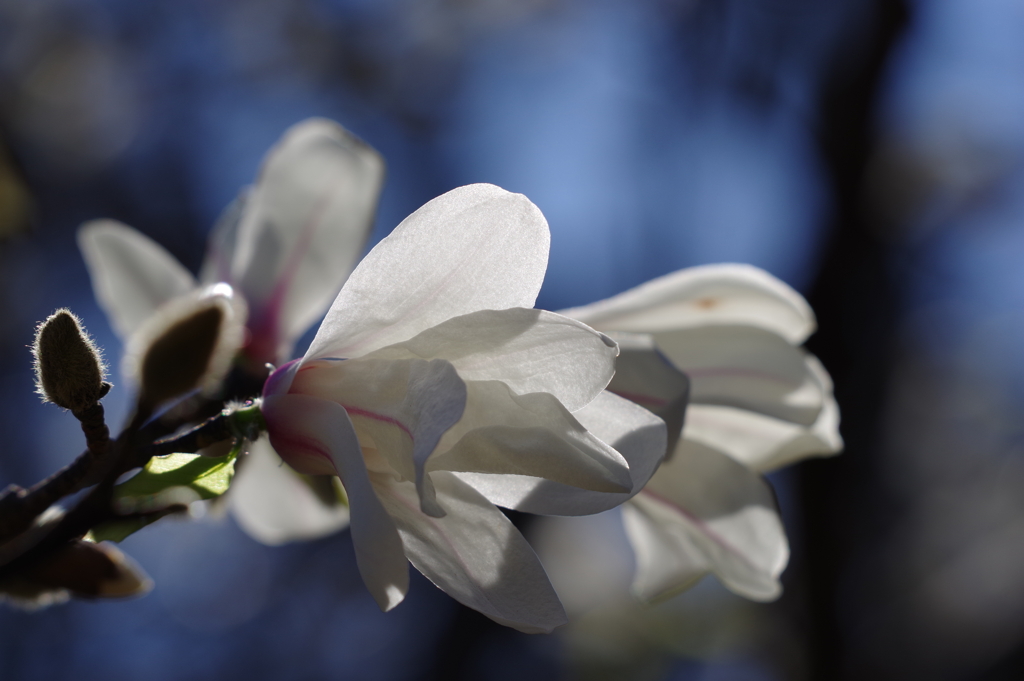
{"x": 433, "y": 389}
{"x": 286, "y": 245}
{"x": 757, "y": 402}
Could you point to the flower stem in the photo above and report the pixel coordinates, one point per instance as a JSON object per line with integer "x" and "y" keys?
{"x": 233, "y": 423}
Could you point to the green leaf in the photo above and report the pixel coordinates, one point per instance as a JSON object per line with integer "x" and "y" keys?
{"x": 167, "y": 483}
{"x": 117, "y": 530}
{"x": 208, "y": 476}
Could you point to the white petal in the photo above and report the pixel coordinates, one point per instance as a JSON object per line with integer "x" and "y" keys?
{"x": 761, "y": 442}
{"x": 304, "y": 429}
{"x": 273, "y": 504}
{"x": 670, "y": 557}
{"x": 746, "y": 367}
{"x": 303, "y": 229}
{"x": 532, "y": 434}
{"x": 637, "y": 434}
{"x": 632, "y": 431}
{"x": 588, "y": 559}
{"x": 645, "y": 376}
{"x": 698, "y": 296}
{"x": 220, "y": 245}
{"x": 528, "y": 350}
{"x": 474, "y": 248}
{"x": 765, "y": 443}
{"x": 131, "y": 274}
{"x": 404, "y": 406}
{"x": 711, "y": 513}
{"x": 826, "y": 426}
{"x": 475, "y": 555}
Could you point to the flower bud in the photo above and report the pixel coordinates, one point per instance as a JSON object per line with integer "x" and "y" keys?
{"x": 189, "y": 343}
{"x": 95, "y": 570}
{"x": 82, "y": 569}
{"x": 69, "y": 366}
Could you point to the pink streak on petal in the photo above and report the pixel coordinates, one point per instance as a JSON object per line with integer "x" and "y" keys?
{"x": 714, "y": 536}
{"x": 311, "y": 465}
{"x": 356, "y": 411}
{"x": 266, "y": 321}
{"x": 353, "y": 411}
{"x": 313, "y": 456}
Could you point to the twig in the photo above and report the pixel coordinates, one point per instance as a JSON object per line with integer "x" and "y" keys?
{"x": 103, "y": 462}
{"x": 19, "y": 507}
{"x": 90, "y": 511}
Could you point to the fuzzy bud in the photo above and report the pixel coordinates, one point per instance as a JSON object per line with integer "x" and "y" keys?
{"x": 69, "y": 366}
{"x": 189, "y": 343}
{"x": 82, "y": 569}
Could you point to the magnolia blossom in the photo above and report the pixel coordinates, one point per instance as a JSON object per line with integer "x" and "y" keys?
{"x": 757, "y": 402}
{"x": 285, "y": 245}
{"x": 434, "y": 391}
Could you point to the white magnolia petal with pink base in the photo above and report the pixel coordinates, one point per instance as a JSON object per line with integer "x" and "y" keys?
{"x": 526, "y": 349}
{"x": 274, "y": 506}
{"x": 315, "y": 436}
{"x": 304, "y": 227}
{"x": 404, "y": 406}
{"x": 474, "y": 554}
{"x": 532, "y": 434}
{"x": 700, "y": 296}
{"x": 475, "y": 248}
{"x": 710, "y": 506}
{"x": 279, "y": 382}
{"x": 637, "y": 434}
{"x": 131, "y": 274}
{"x": 746, "y": 367}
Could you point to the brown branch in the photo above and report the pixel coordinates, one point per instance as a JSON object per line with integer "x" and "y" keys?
{"x": 97, "y": 506}
{"x": 20, "y": 507}
{"x": 215, "y": 429}
{"x": 103, "y": 463}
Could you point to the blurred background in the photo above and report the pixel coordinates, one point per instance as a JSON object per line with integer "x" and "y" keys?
{"x": 868, "y": 152}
